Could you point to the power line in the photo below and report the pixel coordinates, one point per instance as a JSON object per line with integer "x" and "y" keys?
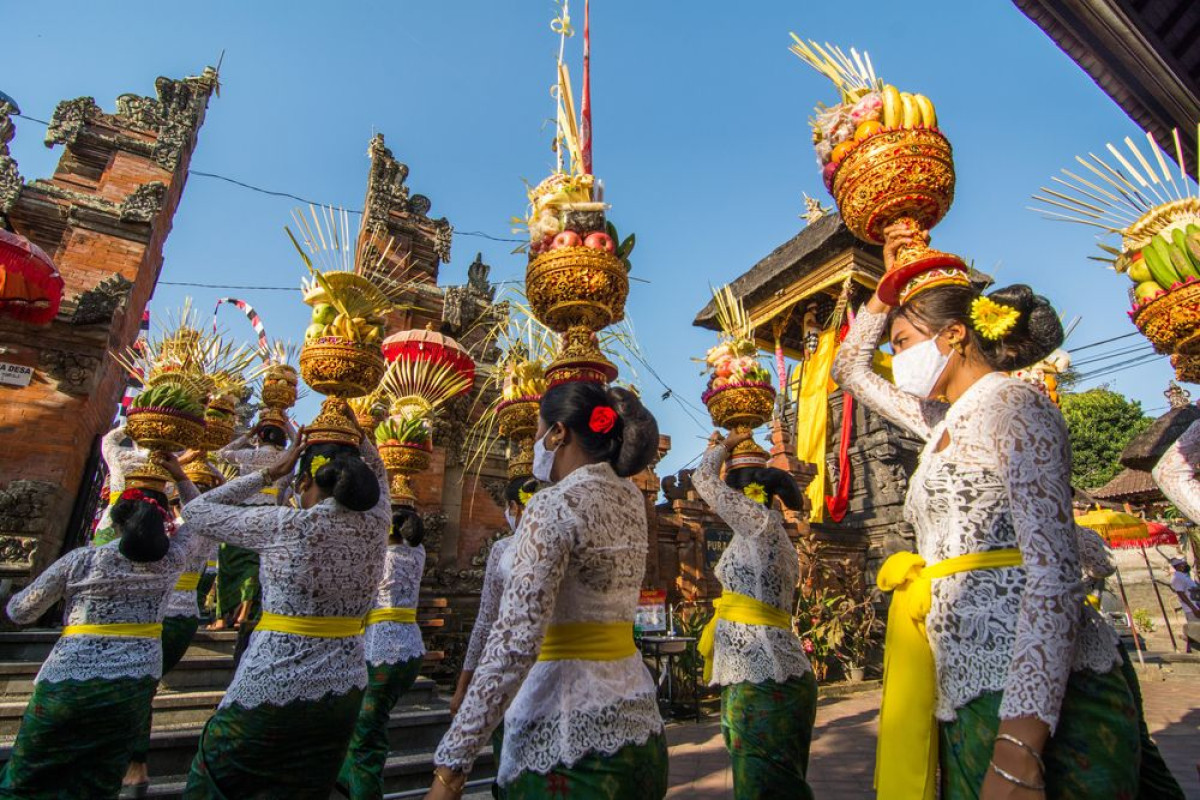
{"x": 1103, "y": 341}
{"x": 1143, "y": 348}
{"x": 1121, "y": 367}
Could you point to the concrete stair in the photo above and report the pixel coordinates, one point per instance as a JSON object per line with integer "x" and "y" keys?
{"x": 190, "y": 694}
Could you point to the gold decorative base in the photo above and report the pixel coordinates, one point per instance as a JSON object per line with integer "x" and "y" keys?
{"x": 518, "y": 419}
{"x": 402, "y": 462}
{"x": 747, "y": 454}
{"x": 577, "y": 287}
{"x": 1172, "y": 321}
{"x": 1187, "y": 368}
{"x": 580, "y": 359}
{"x": 334, "y": 425}
{"x": 218, "y": 432}
{"x": 401, "y": 490}
{"x": 520, "y": 462}
{"x": 201, "y": 472}
{"x": 150, "y": 476}
{"x": 341, "y": 368}
{"x": 746, "y": 406}
{"x": 164, "y": 429}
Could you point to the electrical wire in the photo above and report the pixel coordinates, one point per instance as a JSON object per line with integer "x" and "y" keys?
{"x": 1143, "y": 348}
{"x": 1121, "y": 367}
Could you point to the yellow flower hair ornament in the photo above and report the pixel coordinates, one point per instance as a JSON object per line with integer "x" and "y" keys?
{"x": 756, "y": 492}
{"x": 524, "y": 497}
{"x": 992, "y": 320}
{"x": 317, "y": 463}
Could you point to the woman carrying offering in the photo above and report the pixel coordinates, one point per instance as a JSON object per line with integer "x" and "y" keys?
{"x": 119, "y": 461}
{"x": 582, "y": 719}
{"x": 282, "y": 729}
{"x": 394, "y": 651}
{"x": 96, "y": 686}
{"x": 517, "y": 494}
{"x": 769, "y": 694}
{"x": 987, "y": 630}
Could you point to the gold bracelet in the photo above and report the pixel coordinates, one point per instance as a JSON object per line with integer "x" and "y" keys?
{"x": 437, "y": 774}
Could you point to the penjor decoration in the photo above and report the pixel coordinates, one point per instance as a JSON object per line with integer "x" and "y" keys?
{"x": 739, "y": 396}
{"x": 886, "y": 162}
{"x": 1156, "y": 213}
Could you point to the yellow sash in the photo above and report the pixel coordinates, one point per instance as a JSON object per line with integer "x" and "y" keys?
{"x": 210, "y": 564}
{"x": 588, "y": 641}
{"x": 138, "y": 630}
{"x": 906, "y": 758}
{"x": 316, "y": 627}
{"x": 734, "y": 607}
{"x": 391, "y": 615}
{"x": 271, "y": 490}
{"x": 187, "y": 582}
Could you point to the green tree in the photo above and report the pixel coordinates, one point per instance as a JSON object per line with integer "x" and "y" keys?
{"x": 1101, "y": 423}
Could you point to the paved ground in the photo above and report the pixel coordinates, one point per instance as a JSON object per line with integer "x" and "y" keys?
{"x": 843, "y": 753}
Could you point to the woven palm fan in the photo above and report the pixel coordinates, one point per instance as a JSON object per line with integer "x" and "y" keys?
{"x": 328, "y": 245}
{"x": 418, "y": 387}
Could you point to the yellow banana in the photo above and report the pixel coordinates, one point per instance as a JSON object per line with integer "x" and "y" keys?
{"x": 912, "y": 114}
{"x": 928, "y": 114}
{"x": 893, "y": 108}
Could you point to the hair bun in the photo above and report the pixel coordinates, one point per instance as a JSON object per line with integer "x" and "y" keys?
{"x": 1037, "y": 334}
{"x": 638, "y": 432}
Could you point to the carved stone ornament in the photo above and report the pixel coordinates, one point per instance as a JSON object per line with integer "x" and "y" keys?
{"x": 443, "y": 237}
{"x": 495, "y": 488}
{"x": 678, "y": 487}
{"x": 73, "y": 373}
{"x": 101, "y": 302}
{"x": 453, "y": 301}
{"x": 25, "y": 511}
{"x": 144, "y": 203}
{"x": 477, "y": 277}
{"x": 435, "y": 526}
{"x": 16, "y": 551}
{"x": 69, "y": 118}
{"x": 450, "y": 428}
{"x": 10, "y": 179}
{"x": 385, "y": 182}
{"x": 420, "y": 204}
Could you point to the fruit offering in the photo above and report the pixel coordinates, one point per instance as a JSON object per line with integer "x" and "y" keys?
{"x": 868, "y": 106}
{"x": 565, "y": 211}
{"x": 169, "y": 397}
{"x": 1171, "y": 258}
{"x": 397, "y": 430}
{"x": 734, "y": 362}
{"x": 523, "y": 379}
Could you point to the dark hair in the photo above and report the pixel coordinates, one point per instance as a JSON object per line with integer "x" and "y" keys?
{"x": 272, "y": 434}
{"x": 346, "y": 477}
{"x": 517, "y": 486}
{"x": 632, "y": 443}
{"x": 407, "y": 525}
{"x": 1036, "y": 335}
{"x": 142, "y": 527}
{"x": 775, "y": 482}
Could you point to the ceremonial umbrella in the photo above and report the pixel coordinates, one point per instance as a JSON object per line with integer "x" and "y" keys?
{"x": 428, "y": 345}
{"x": 1122, "y": 530}
{"x": 31, "y": 289}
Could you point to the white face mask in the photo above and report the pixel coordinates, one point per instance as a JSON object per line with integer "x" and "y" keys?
{"x": 543, "y": 460}
{"x": 917, "y": 369}
{"x": 511, "y": 519}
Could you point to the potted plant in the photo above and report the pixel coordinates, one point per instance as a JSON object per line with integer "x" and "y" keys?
{"x": 860, "y": 634}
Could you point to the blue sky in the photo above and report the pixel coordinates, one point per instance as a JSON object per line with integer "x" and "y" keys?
{"x": 700, "y": 136}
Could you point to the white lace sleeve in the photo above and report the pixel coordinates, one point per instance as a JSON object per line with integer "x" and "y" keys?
{"x": 739, "y": 512}
{"x": 1035, "y": 468}
{"x": 1094, "y": 556}
{"x": 219, "y": 516}
{"x": 543, "y": 547}
{"x": 489, "y": 606}
{"x": 852, "y": 371}
{"x": 110, "y": 451}
{"x": 187, "y": 492}
{"x": 238, "y": 452}
{"x": 47, "y": 589}
{"x": 371, "y": 457}
{"x": 1175, "y": 473}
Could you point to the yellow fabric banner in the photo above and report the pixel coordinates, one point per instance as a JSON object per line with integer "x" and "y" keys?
{"x": 588, "y": 641}
{"x": 906, "y": 757}
{"x": 391, "y": 615}
{"x": 735, "y": 607}
{"x": 316, "y": 627}
{"x": 812, "y": 417}
{"x": 137, "y": 630}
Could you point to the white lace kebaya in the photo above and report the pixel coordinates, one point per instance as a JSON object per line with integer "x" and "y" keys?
{"x": 397, "y": 642}
{"x": 1175, "y": 473}
{"x": 495, "y": 576}
{"x": 186, "y": 602}
{"x": 99, "y": 586}
{"x": 1002, "y": 481}
{"x": 119, "y": 460}
{"x": 324, "y": 561}
{"x": 759, "y": 562}
{"x": 579, "y": 556}
{"x": 249, "y": 459}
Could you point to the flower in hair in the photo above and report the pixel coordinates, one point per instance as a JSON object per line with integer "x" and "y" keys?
{"x": 756, "y": 492}
{"x": 993, "y": 320}
{"x": 317, "y": 463}
{"x": 603, "y": 419}
{"x": 524, "y": 496}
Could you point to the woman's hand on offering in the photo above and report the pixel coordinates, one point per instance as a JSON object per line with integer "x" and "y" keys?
{"x": 170, "y": 463}
{"x": 287, "y": 462}
{"x": 897, "y": 236}
{"x": 735, "y": 438}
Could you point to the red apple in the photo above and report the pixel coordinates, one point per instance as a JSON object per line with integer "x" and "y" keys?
{"x": 600, "y": 241}
{"x": 567, "y": 239}
{"x": 827, "y": 174}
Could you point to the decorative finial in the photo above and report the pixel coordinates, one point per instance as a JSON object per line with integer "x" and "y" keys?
{"x": 813, "y": 210}
{"x": 1177, "y": 396}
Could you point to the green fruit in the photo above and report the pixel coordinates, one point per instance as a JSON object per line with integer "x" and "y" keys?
{"x": 323, "y": 313}
{"x": 1139, "y": 272}
{"x": 1159, "y": 263}
{"x": 1146, "y": 290}
{"x": 1183, "y": 264}
{"x": 1193, "y": 244}
{"x": 314, "y": 331}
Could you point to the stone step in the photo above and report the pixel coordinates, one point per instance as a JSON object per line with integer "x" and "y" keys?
{"x": 35, "y": 644}
{"x": 410, "y": 774}
{"x": 192, "y": 673}
{"x": 181, "y": 709}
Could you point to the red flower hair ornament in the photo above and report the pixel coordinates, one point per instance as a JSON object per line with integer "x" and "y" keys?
{"x": 139, "y": 496}
{"x": 603, "y": 419}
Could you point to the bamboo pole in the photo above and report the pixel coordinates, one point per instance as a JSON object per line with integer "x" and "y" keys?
{"x": 1161, "y": 605}
{"x": 1137, "y": 641}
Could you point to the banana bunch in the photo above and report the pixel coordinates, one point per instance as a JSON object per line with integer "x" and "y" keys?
{"x": 904, "y": 110}
{"x": 169, "y": 396}
{"x": 1172, "y": 257}
{"x": 402, "y": 431}
{"x": 364, "y": 330}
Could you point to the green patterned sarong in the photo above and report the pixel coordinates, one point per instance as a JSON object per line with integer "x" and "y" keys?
{"x": 290, "y": 752}
{"x": 497, "y": 746}
{"x": 237, "y": 577}
{"x": 176, "y": 638}
{"x": 768, "y": 730}
{"x": 74, "y": 739}
{"x": 103, "y": 536}
{"x": 1093, "y": 755}
{"x": 1155, "y": 778}
{"x": 635, "y": 772}
{"x": 362, "y": 771}
{"x": 207, "y": 579}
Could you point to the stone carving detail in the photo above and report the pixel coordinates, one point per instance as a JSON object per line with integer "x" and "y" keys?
{"x": 450, "y": 429}
{"x": 453, "y": 300}
{"x": 435, "y": 527}
{"x": 100, "y": 303}
{"x": 17, "y": 552}
{"x": 73, "y": 373}
{"x": 420, "y": 204}
{"x": 25, "y": 507}
{"x": 10, "y": 179}
{"x": 443, "y": 233}
{"x": 477, "y": 277}
{"x": 385, "y": 182}
{"x": 144, "y": 203}
{"x": 679, "y": 487}
{"x": 69, "y": 118}
{"x": 495, "y": 488}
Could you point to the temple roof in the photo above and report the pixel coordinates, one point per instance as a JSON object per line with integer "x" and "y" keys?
{"x": 799, "y": 256}
{"x": 1144, "y": 54}
{"x": 1133, "y": 485}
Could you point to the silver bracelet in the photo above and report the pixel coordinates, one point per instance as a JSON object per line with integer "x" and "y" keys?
{"x": 1004, "y": 737}
{"x": 1013, "y": 779}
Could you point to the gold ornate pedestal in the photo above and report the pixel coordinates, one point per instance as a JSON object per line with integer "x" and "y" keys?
{"x": 340, "y": 367}
{"x": 1172, "y": 321}
{"x": 518, "y": 421}
{"x": 742, "y": 408}
{"x": 164, "y": 429}
{"x": 402, "y": 462}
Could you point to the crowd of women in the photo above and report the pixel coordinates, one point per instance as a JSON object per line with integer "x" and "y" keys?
{"x": 1000, "y": 681}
